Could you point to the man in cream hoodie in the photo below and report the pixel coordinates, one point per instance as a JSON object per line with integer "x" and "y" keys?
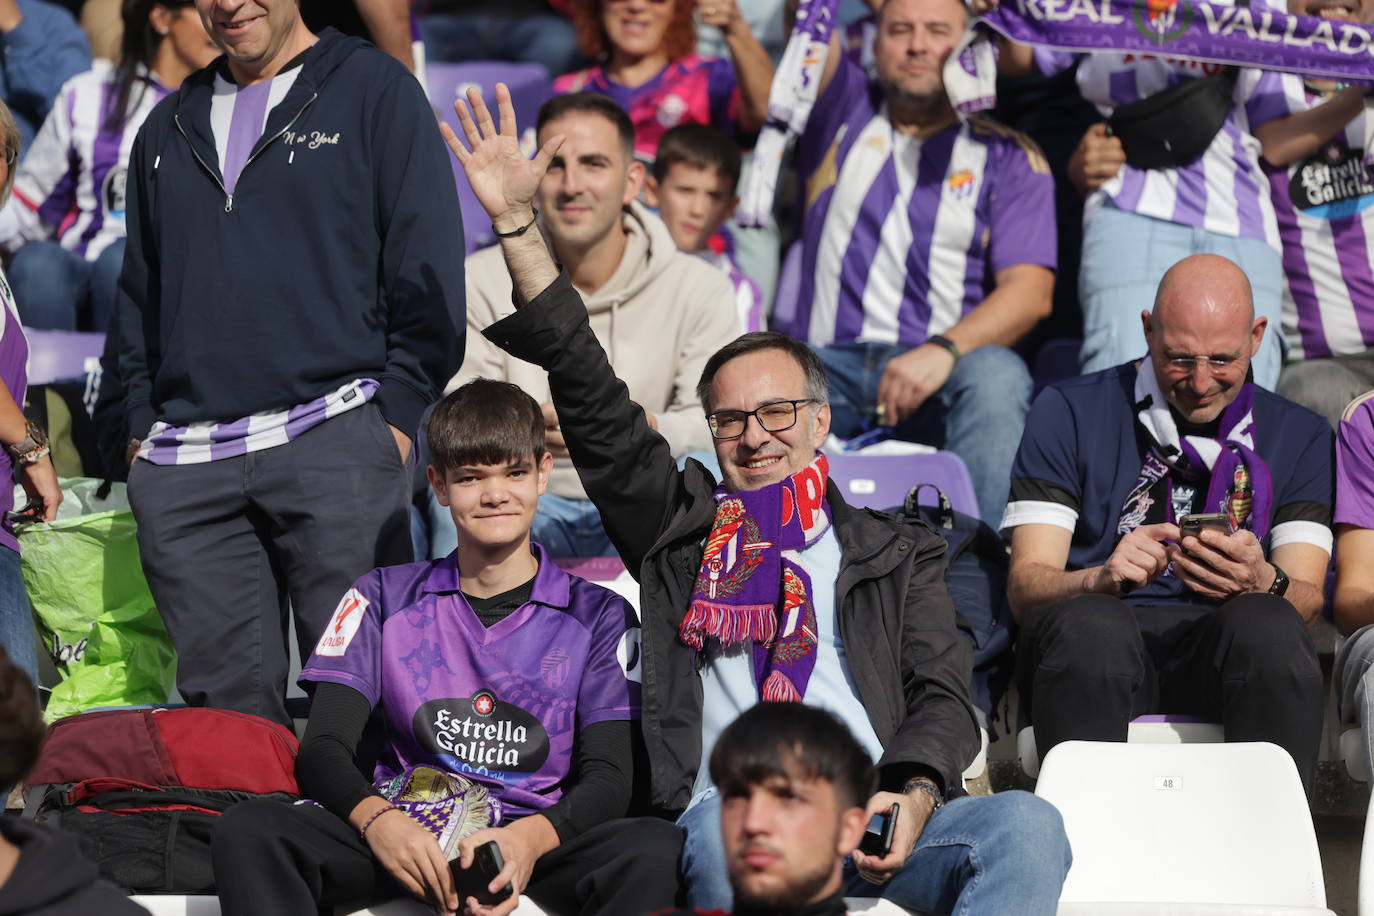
{"x": 658, "y": 312}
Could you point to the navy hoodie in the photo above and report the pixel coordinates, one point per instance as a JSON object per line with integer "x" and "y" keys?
{"x": 53, "y": 878}
{"x": 339, "y": 255}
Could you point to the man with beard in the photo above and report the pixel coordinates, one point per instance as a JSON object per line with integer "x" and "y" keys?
{"x": 929, "y": 246}
{"x": 794, "y": 781}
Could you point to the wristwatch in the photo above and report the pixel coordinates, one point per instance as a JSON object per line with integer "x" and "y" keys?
{"x": 1280, "y": 581}
{"x": 33, "y": 448}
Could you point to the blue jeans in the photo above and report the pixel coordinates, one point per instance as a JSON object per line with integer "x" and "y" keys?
{"x": 58, "y": 290}
{"x": 978, "y": 414}
{"x": 16, "y": 616}
{"x": 1003, "y": 853}
{"x": 547, "y": 39}
{"x": 1124, "y": 257}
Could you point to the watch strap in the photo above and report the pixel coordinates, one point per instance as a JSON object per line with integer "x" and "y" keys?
{"x": 945, "y": 343}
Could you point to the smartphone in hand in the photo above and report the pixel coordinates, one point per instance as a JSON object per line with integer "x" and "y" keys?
{"x": 877, "y": 838}
{"x": 487, "y": 863}
{"x": 1192, "y": 525}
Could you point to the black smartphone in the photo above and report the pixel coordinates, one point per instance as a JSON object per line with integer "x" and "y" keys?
{"x": 877, "y": 838}
{"x": 1192, "y": 525}
{"x": 487, "y": 863}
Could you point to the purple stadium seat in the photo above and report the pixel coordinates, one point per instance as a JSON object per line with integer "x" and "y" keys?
{"x": 530, "y": 87}
{"x": 1056, "y": 361}
{"x": 882, "y": 481}
{"x": 55, "y": 355}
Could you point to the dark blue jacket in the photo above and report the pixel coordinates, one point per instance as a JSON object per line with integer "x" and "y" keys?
{"x": 339, "y": 256}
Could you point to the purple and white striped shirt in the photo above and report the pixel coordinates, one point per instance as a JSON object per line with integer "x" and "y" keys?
{"x": 748, "y": 296}
{"x": 70, "y": 185}
{"x": 902, "y": 237}
{"x": 1224, "y": 190}
{"x": 1326, "y": 222}
{"x": 198, "y": 443}
{"x": 238, "y": 115}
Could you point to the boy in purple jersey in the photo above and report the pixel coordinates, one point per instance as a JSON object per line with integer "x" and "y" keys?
{"x": 491, "y": 663}
{"x": 693, "y": 187}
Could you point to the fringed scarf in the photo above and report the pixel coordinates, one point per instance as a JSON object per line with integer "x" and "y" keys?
{"x": 753, "y": 586}
{"x": 1236, "y": 478}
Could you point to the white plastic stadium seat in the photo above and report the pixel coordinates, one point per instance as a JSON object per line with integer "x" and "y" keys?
{"x": 1184, "y": 828}
{"x": 1366, "y": 891}
{"x": 1152, "y": 729}
{"x": 1352, "y": 753}
{"x": 191, "y": 905}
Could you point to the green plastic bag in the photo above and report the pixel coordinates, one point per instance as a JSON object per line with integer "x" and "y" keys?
{"x": 96, "y": 617}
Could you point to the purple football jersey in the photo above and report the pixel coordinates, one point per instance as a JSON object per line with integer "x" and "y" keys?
{"x": 1355, "y": 464}
{"x": 502, "y": 706}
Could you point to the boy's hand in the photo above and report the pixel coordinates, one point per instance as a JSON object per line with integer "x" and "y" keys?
{"x": 413, "y": 857}
{"x": 522, "y": 842}
{"x": 502, "y": 179}
{"x": 553, "y": 435}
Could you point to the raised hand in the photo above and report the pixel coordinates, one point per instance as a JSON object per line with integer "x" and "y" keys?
{"x": 502, "y": 179}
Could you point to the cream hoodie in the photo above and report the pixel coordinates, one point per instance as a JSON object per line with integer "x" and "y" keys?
{"x": 660, "y": 317}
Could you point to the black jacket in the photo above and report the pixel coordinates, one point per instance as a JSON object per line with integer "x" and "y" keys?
{"x": 339, "y": 255}
{"x": 53, "y": 878}
{"x": 908, "y": 660}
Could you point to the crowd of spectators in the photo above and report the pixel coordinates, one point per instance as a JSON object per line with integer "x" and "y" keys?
{"x": 256, "y": 207}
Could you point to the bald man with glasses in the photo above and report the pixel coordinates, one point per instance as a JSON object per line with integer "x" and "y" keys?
{"x": 1170, "y": 532}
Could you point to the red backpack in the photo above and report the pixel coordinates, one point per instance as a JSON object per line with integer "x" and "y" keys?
{"x": 142, "y": 788}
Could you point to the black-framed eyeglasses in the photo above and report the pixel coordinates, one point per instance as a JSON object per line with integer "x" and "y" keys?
{"x": 775, "y": 417}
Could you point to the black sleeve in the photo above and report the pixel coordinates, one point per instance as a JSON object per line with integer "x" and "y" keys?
{"x": 600, "y": 781}
{"x": 326, "y": 767}
{"x": 627, "y": 469}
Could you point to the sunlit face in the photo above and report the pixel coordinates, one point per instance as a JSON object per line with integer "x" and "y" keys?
{"x": 636, "y": 27}
{"x": 785, "y": 839}
{"x": 252, "y": 33}
{"x": 758, "y": 457}
{"x": 1199, "y": 392}
{"x": 588, "y": 183}
{"x": 493, "y": 505}
{"x": 915, "y": 38}
{"x": 693, "y": 202}
{"x": 189, "y": 40}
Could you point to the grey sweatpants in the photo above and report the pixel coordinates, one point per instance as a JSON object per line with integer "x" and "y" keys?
{"x": 226, "y": 544}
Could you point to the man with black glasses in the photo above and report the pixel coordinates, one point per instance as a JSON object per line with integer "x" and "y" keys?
{"x": 765, "y": 586}
{"x": 1131, "y": 603}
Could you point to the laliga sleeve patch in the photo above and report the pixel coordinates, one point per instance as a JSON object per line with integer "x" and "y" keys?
{"x": 627, "y": 653}
{"x": 343, "y": 625}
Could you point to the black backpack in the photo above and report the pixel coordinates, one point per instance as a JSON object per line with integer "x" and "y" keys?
{"x": 977, "y": 582}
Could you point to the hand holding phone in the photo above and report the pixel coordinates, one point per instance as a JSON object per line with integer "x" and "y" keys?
{"x": 1194, "y": 524}
{"x": 877, "y": 838}
{"x": 487, "y": 863}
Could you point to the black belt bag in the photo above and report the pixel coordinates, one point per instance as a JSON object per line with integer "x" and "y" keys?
{"x": 1174, "y": 127}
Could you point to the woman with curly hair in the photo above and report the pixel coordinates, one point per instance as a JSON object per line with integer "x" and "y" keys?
{"x": 646, "y": 63}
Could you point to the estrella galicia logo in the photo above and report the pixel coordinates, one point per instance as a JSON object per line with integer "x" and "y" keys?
{"x": 1162, "y": 20}
{"x": 1332, "y": 183}
{"x": 505, "y": 737}
{"x": 112, "y": 191}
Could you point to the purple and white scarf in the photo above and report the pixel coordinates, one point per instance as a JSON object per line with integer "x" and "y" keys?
{"x": 1237, "y": 479}
{"x": 753, "y": 585}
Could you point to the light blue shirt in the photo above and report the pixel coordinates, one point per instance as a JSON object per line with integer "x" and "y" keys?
{"x": 727, "y": 679}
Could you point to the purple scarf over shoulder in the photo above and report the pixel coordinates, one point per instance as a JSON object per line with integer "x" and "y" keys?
{"x": 752, "y": 586}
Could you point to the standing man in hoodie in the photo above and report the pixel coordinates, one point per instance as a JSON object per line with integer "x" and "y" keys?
{"x": 658, "y": 312}
{"x": 289, "y": 305}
